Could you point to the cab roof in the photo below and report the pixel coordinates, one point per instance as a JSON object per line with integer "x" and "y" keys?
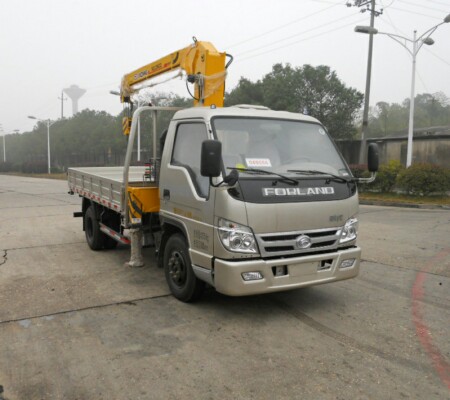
{"x": 241, "y": 110}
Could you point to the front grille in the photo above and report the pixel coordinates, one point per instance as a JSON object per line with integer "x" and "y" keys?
{"x": 284, "y": 244}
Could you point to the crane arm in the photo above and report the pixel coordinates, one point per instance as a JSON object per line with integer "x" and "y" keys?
{"x": 203, "y": 64}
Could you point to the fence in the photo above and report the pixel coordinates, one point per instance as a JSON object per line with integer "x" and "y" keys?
{"x": 433, "y": 149}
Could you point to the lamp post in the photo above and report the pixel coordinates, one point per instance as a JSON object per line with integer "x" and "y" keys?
{"x": 417, "y": 43}
{"x": 49, "y": 124}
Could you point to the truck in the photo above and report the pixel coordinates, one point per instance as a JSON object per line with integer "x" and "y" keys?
{"x": 245, "y": 199}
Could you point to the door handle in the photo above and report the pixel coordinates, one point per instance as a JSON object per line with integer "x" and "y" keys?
{"x": 166, "y": 194}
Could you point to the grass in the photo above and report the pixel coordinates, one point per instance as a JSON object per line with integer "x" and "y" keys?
{"x": 405, "y": 199}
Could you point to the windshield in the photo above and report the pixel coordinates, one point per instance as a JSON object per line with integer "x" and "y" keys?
{"x": 277, "y": 145}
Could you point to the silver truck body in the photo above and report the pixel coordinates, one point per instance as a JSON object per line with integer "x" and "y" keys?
{"x": 299, "y": 232}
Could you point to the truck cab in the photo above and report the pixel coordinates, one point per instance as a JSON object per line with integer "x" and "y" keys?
{"x": 254, "y": 201}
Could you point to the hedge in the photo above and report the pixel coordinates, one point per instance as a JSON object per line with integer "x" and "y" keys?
{"x": 424, "y": 179}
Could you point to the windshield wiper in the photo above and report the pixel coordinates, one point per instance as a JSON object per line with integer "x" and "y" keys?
{"x": 333, "y": 177}
{"x": 264, "y": 172}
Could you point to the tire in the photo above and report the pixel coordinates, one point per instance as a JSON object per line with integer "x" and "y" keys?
{"x": 95, "y": 238}
{"x": 180, "y": 277}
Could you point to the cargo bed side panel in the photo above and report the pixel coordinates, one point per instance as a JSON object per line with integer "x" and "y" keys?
{"x": 102, "y": 184}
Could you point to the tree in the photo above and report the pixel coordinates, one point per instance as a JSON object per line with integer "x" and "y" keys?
{"x": 316, "y": 91}
{"x": 88, "y": 138}
{"x": 246, "y": 92}
{"x": 383, "y": 113}
{"x": 429, "y": 110}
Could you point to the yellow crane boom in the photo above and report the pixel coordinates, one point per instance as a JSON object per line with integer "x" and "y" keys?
{"x": 205, "y": 68}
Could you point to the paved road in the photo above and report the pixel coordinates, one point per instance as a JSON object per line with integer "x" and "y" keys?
{"x": 77, "y": 324}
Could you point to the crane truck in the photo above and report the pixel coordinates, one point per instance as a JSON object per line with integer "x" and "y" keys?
{"x": 245, "y": 199}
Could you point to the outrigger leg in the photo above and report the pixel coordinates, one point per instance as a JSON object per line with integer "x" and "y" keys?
{"x": 136, "y": 258}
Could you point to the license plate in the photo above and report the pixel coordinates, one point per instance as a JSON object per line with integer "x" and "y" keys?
{"x": 303, "y": 268}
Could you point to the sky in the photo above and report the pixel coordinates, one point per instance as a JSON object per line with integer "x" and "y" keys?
{"x": 48, "y": 45}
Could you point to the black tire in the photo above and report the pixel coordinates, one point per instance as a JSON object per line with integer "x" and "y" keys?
{"x": 180, "y": 277}
{"x": 94, "y": 236}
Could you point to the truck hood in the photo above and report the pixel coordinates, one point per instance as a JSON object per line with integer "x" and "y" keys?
{"x": 290, "y": 217}
{"x": 277, "y": 206}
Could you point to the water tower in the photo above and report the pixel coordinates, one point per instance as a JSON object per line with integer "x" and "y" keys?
{"x": 74, "y": 92}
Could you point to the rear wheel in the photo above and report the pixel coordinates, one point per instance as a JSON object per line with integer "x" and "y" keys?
{"x": 180, "y": 277}
{"x": 94, "y": 236}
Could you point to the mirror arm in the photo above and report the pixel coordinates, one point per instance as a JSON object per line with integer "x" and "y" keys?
{"x": 231, "y": 179}
{"x": 214, "y": 185}
{"x": 367, "y": 180}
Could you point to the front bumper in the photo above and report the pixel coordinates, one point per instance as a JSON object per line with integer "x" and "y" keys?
{"x": 301, "y": 271}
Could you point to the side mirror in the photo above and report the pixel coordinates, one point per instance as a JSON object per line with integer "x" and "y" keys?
{"x": 211, "y": 158}
{"x": 372, "y": 157}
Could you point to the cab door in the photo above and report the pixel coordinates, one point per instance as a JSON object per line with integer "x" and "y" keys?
{"x": 186, "y": 197}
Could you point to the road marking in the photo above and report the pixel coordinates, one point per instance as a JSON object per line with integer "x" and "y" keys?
{"x": 440, "y": 364}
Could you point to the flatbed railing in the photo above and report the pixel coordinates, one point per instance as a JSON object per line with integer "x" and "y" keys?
{"x": 130, "y": 146}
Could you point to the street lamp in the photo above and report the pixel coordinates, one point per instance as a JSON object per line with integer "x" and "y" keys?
{"x": 4, "y": 143}
{"x": 417, "y": 43}
{"x": 49, "y": 124}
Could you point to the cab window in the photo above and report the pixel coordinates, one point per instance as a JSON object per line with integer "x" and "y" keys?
{"x": 186, "y": 153}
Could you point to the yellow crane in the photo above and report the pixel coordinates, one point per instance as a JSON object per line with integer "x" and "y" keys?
{"x": 204, "y": 66}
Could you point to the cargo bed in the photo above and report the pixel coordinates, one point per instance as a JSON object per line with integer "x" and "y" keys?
{"x": 104, "y": 185}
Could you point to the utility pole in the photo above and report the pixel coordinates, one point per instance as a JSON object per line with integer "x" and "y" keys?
{"x": 63, "y": 99}
{"x": 49, "y": 123}
{"x": 417, "y": 43}
{"x": 366, "y": 5}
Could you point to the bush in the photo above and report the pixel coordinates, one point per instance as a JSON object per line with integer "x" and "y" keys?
{"x": 424, "y": 179}
{"x": 387, "y": 176}
{"x": 6, "y": 166}
{"x": 360, "y": 171}
{"x": 34, "y": 167}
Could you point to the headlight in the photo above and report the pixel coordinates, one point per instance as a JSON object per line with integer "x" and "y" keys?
{"x": 236, "y": 238}
{"x": 350, "y": 231}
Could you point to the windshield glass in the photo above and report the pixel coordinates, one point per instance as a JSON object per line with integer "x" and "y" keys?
{"x": 277, "y": 145}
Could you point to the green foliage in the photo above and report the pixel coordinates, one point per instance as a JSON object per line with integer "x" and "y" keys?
{"x": 387, "y": 176}
{"x": 424, "y": 179}
{"x": 316, "y": 91}
{"x": 360, "y": 171}
{"x": 429, "y": 110}
{"x": 6, "y": 166}
{"x": 34, "y": 167}
{"x": 89, "y": 138}
{"x": 246, "y": 92}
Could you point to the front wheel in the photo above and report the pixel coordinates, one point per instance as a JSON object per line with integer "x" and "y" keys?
{"x": 180, "y": 277}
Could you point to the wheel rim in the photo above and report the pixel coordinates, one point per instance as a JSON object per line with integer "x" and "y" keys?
{"x": 177, "y": 269}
